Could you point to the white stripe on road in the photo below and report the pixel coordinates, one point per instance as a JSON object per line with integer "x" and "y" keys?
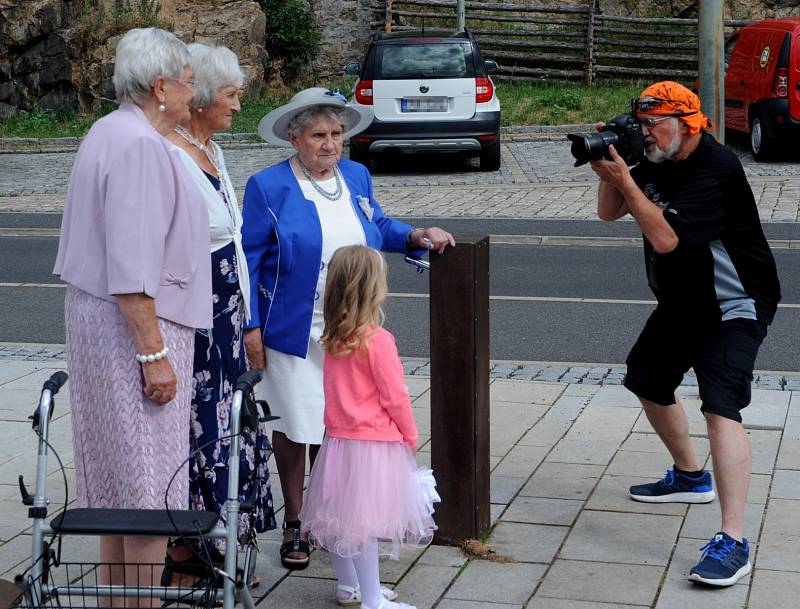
{"x": 33, "y": 285}
{"x": 569, "y": 299}
{"x": 498, "y": 298}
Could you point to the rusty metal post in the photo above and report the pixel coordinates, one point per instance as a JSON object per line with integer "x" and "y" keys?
{"x": 710, "y": 64}
{"x": 459, "y": 316}
{"x": 461, "y": 16}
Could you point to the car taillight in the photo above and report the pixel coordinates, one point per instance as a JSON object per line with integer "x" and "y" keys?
{"x": 781, "y": 86}
{"x": 483, "y": 90}
{"x": 364, "y": 92}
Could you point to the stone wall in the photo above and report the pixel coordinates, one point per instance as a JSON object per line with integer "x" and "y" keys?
{"x": 54, "y": 55}
{"x": 344, "y": 26}
{"x": 48, "y": 59}
{"x": 34, "y": 62}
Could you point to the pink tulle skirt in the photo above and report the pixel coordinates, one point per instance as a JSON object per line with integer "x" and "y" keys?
{"x": 361, "y": 490}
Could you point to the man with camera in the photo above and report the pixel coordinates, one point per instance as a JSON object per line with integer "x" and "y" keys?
{"x": 714, "y": 277}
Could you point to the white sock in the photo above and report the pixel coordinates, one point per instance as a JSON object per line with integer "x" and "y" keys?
{"x": 345, "y": 571}
{"x": 369, "y": 580}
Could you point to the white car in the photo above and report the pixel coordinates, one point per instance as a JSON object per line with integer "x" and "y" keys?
{"x": 430, "y": 91}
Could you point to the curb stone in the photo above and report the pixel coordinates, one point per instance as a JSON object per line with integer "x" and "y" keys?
{"x": 542, "y": 372}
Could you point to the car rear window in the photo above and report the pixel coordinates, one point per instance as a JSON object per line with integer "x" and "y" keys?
{"x": 406, "y": 61}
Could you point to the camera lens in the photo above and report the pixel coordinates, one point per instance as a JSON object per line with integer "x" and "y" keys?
{"x": 591, "y": 147}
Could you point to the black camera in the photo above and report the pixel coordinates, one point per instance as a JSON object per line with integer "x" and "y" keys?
{"x": 623, "y": 131}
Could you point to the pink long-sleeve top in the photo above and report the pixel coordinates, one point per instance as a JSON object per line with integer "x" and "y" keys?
{"x": 134, "y": 222}
{"x": 366, "y": 396}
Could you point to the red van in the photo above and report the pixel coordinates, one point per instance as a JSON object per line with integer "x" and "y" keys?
{"x": 762, "y": 83}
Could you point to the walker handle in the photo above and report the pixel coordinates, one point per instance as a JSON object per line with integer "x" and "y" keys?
{"x": 55, "y": 382}
{"x": 247, "y": 381}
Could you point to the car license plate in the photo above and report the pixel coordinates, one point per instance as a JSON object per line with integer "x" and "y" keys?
{"x": 425, "y": 104}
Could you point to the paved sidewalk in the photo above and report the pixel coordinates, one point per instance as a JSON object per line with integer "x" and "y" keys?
{"x": 562, "y": 457}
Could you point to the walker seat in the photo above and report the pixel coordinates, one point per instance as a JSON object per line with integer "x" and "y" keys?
{"x": 94, "y": 521}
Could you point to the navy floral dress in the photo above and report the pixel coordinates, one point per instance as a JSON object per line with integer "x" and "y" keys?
{"x": 219, "y": 359}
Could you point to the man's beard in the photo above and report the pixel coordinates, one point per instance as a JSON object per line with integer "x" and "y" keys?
{"x": 658, "y": 155}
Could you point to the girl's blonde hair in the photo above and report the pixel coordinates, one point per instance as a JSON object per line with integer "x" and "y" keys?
{"x": 354, "y": 291}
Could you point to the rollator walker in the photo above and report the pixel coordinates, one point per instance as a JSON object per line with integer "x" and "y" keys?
{"x": 50, "y": 583}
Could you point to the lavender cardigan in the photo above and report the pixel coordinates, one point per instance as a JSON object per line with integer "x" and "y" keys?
{"x": 134, "y": 222}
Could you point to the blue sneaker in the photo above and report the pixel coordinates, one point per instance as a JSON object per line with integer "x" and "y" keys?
{"x": 723, "y": 563}
{"x": 675, "y": 487}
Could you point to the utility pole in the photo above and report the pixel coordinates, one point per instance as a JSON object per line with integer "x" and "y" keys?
{"x": 710, "y": 64}
{"x": 461, "y": 16}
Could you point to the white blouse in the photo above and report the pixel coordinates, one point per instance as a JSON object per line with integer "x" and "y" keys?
{"x": 224, "y": 218}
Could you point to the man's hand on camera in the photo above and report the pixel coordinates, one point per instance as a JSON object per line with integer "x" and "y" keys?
{"x": 598, "y": 126}
{"x": 614, "y": 172}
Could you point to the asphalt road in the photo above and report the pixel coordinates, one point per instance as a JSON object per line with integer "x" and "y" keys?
{"x": 530, "y": 320}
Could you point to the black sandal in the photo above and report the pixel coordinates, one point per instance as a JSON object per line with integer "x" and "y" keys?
{"x": 295, "y": 545}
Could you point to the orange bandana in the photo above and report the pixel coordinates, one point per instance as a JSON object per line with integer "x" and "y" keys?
{"x": 673, "y": 99}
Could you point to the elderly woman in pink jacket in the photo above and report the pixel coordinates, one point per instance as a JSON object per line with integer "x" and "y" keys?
{"x": 134, "y": 254}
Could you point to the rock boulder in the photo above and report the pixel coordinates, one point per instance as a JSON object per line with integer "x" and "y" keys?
{"x": 56, "y": 54}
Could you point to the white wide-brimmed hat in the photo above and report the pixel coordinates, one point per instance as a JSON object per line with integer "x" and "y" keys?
{"x": 274, "y": 127}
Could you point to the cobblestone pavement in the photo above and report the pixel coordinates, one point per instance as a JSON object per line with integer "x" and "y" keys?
{"x": 537, "y": 180}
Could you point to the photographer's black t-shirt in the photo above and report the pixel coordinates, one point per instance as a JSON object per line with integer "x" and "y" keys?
{"x": 723, "y": 267}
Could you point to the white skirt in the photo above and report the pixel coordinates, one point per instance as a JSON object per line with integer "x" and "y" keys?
{"x": 292, "y": 386}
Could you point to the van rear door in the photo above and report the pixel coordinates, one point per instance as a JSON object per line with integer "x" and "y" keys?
{"x": 737, "y": 51}
{"x": 794, "y": 76}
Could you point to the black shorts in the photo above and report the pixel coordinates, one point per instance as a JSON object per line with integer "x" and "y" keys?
{"x": 722, "y": 358}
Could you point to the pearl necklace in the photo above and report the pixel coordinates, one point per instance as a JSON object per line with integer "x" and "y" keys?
{"x": 209, "y": 151}
{"x": 211, "y": 155}
{"x": 331, "y": 196}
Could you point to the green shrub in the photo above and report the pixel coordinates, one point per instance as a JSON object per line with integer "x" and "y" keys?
{"x": 291, "y": 35}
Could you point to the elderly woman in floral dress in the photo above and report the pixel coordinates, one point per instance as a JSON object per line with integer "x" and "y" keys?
{"x": 219, "y": 356}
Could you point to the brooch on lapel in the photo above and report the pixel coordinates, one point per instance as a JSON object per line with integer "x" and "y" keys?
{"x": 366, "y": 207}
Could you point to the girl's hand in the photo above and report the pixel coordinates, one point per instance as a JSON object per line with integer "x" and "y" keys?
{"x": 254, "y": 347}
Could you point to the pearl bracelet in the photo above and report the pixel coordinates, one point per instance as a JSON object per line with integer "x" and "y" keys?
{"x": 153, "y": 357}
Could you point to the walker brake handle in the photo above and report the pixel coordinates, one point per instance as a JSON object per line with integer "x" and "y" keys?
{"x": 420, "y": 264}
{"x": 55, "y": 382}
{"x": 247, "y": 381}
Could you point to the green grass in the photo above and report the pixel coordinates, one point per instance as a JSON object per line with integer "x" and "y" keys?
{"x": 522, "y": 103}
{"x": 547, "y": 103}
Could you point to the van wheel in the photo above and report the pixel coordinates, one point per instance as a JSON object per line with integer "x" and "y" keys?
{"x": 359, "y": 155}
{"x": 761, "y": 146}
{"x": 490, "y": 155}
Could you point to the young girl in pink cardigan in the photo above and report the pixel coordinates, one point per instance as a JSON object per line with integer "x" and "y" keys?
{"x": 366, "y": 496}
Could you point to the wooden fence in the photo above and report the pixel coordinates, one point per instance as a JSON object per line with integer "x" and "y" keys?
{"x": 567, "y": 42}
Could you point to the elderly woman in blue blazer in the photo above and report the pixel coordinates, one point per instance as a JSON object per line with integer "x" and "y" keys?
{"x": 296, "y": 214}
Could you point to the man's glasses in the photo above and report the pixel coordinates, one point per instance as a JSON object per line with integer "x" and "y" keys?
{"x": 652, "y": 122}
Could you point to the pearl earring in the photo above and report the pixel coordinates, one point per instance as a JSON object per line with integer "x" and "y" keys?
{"x": 199, "y": 109}
{"x": 162, "y": 108}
